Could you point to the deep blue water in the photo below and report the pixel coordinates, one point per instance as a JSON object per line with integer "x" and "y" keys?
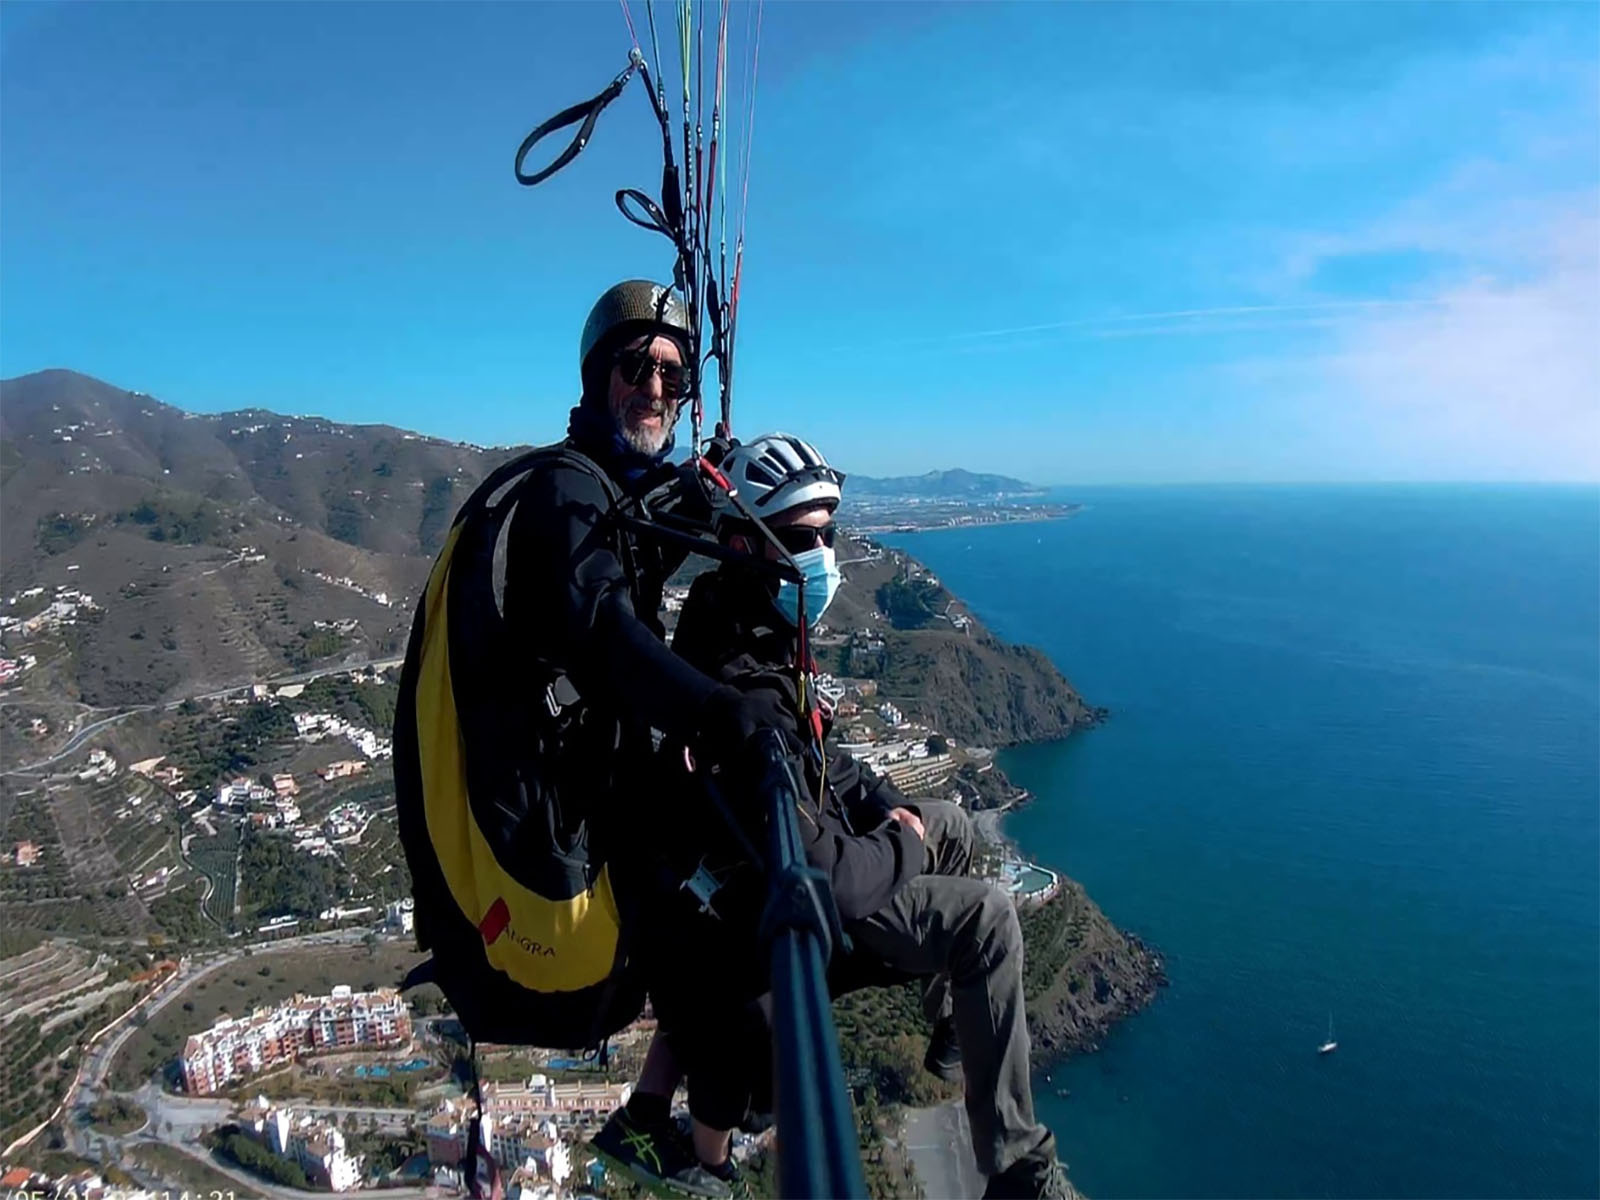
{"x": 1352, "y": 766}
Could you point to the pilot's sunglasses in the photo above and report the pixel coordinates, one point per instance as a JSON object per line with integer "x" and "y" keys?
{"x": 797, "y": 539}
{"x": 636, "y": 367}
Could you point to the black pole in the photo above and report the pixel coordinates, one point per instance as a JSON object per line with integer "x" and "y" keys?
{"x": 817, "y": 1142}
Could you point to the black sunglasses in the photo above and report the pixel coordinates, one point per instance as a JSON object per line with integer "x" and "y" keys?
{"x": 636, "y": 367}
{"x": 797, "y": 539}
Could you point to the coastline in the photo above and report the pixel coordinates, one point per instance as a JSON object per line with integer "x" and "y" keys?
{"x": 903, "y": 527}
{"x": 1098, "y": 976}
{"x": 1081, "y": 973}
{"x": 990, "y": 822}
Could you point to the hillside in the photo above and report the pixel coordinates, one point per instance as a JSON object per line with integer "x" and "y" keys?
{"x": 893, "y": 622}
{"x": 76, "y": 445}
{"x": 222, "y": 548}
{"x": 215, "y": 549}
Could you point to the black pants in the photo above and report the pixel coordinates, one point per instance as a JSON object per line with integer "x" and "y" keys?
{"x": 705, "y": 973}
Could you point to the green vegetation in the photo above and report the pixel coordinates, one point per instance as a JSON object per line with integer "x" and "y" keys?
{"x": 1052, "y": 932}
{"x": 993, "y": 789}
{"x": 885, "y": 1164}
{"x": 217, "y": 858}
{"x": 207, "y": 748}
{"x": 178, "y": 913}
{"x": 882, "y": 1037}
{"x": 281, "y": 881}
{"x": 257, "y": 1159}
{"x": 62, "y": 531}
{"x": 397, "y": 1090}
{"x": 438, "y": 506}
{"x": 164, "y": 519}
{"x": 28, "y": 819}
{"x": 347, "y": 520}
{"x": 377, "y": 863}
{"x": 116, "y": 1115}
{"x": 368, "y": 704}
{"x": 315, "y": 645}
{"x": 911, "y": 604}
{"x": 383, "y": 1153}
{"x": 973, "y": 689}
{"x": 36, "y": 1065}
{"x": 17, "y": 939}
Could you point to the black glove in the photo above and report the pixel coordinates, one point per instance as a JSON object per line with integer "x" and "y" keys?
{"x": 731, "y": 717}
{"x": 717, "y": 448}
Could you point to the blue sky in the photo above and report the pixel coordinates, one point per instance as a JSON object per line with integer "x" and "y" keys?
{"x": 1074, "y": 243}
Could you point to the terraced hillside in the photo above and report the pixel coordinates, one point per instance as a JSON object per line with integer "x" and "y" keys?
{"x": 122, "y": 854}
{"x": 51, "y": 997}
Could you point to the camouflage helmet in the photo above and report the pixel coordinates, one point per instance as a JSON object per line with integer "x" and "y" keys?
{"x": 629, "y": 310}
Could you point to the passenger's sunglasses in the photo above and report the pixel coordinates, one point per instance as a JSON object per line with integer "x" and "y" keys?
{"x": 636, "y": 367}
{"x": 797, "y": 539}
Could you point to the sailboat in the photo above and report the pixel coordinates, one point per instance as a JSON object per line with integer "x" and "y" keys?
{"x": 1329, "y": 1046}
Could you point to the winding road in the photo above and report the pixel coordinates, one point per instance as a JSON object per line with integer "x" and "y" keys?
{"x": 78, "y": 739}
{"x": 179, "y": 1121}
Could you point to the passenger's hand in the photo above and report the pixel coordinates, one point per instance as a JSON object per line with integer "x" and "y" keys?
{"x": 906, "y": 817}
{"x": 716, "y": 449}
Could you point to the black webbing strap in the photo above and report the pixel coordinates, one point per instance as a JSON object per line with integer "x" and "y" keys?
{"x": 481, "y": 1169}
{"x": 587, "y": 111}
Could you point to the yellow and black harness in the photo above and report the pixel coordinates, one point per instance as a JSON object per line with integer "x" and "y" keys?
{"x": 496, "y": 770}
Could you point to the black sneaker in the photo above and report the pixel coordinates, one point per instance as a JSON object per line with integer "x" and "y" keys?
{"x": 730, "y": 1174}
{"x": 1035, "y": 1177}
{"x": 657, "y": 1156}
{"x": 944, "y": 1053}
{"x": 757, "y": 1123}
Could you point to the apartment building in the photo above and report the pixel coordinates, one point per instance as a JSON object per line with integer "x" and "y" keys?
{"x": 318, "y": 1146}
{"x": 238, "y": 1047}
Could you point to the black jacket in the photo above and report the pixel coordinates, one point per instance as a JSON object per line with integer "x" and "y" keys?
{"x": 730, "y": 630}
{"x": 573, "y": 604}
{"x": 729, "y": 613}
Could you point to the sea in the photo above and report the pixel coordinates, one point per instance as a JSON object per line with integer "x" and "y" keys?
{"x": 1350, "y": 777}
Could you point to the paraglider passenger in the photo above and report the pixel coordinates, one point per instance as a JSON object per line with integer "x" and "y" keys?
{"x": 898, "y": 869}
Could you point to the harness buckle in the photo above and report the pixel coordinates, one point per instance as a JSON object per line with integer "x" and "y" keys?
{"x": 703, "y": 886}
{"x": 559, "y": 694}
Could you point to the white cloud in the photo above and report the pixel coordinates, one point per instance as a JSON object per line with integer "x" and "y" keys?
{"x": 1499, "y": 377}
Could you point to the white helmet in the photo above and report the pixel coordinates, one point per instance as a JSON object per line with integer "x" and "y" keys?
{"x": 778, "y": 471}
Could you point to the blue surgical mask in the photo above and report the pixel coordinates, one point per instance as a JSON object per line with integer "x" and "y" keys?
{"x": 822, "y": 583}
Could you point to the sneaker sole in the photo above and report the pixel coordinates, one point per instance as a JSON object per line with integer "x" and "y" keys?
{"x": 645, "y": 1179}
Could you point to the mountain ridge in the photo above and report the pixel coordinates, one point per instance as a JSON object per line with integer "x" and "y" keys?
{"x": 949, "y": 484}
{"x": 225, "y": 545}
{"x": 73, "y": 393}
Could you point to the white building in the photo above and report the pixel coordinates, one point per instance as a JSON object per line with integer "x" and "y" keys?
{"x": 546, "y": 1157}
{"x": 317, "y": 1146}
{"x": 238, "y": 793}
{"x": 400, "y": 915}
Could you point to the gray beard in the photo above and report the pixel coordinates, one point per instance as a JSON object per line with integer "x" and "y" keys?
{"x": 644, "y": 441}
